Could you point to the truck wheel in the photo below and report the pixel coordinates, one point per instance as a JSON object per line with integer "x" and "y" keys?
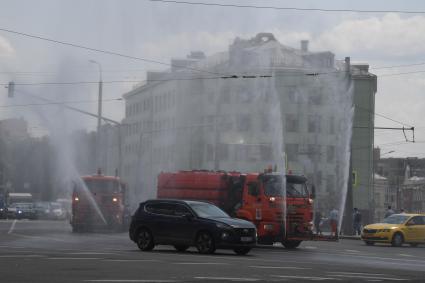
{"x": 241, "y": 250}
{"x": 397, "y": 240}
{"x": 291, "y": 244}
{"x": 205, "y": 243}
{"x": 145, "y": 240}
{"x": 181, "y": 248}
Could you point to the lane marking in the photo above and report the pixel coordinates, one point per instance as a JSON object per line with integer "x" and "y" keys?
{"x": 278, "y": 267}
{"x": 12, "y": 227}
{"x": 91, "y": 253}
{"x": 352, "y": 251}
{"x": 310, "y": 247}
{"x": 130, "y": 260}
{"x": 228, "y": 278}
{"x": 74, "y": 258}
{"x": 39, "y": 237}
{"x": 370, "y": 277}
{"x": 406, "y": 255}
{"x": 21, "y": 256}
{"x": 355, "y": 273}
{"x": 200, "y": 263}
{"x": 130, "y": 280}
{"x": 313, "y": 278}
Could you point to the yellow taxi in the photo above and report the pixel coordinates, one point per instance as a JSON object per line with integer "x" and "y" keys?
{"x": 396, "y": 229}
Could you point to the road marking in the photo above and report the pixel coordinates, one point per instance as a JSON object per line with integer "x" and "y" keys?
{"x": 12, "y": 227}
{"x": 369, "y": 277}
{"x": 406, "y": 255}
{"x": 310, "y": 247}
{"x": 313, "y": 278}
{"x": 130, "y": 280}
{"x": 130, "y": 260}
{"x": 20, "y": 256}
{"x": 200, "y": 263}
{"x": 352, "y": 251}
{"x": 278, "y": 267}
{"x": 355, "y": 273}
{"x": 38, "y": 237}
{"x": 92, "y": 253}
{"x": 228, "y": 278}
{"x": 75, "y": 258}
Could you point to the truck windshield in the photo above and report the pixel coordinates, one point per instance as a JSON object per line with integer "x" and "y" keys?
{"x": 273, "y": 187}
{"x": 207, "y": 210}
{"x": 103, "y": 186}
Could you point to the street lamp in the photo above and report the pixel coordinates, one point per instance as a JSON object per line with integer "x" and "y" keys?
{"x": 99, "y": 111}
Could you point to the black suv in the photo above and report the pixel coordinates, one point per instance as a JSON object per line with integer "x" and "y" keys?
{"x": 184, "y": 223}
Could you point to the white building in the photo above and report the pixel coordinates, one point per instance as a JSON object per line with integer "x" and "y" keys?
{"x": 239, "y": 110}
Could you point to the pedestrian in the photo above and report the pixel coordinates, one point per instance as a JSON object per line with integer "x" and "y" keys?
{"x": 333, "y": 218}
{"x": 318, "y": 222}
{"x": 389, "y": 212}
{"x": 357, "y": 221}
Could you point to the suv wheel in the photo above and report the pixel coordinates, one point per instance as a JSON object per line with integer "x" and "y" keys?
{"x": 241, "y": 250}
{"x": 397, "y": 240}
{"x": 145, "y": 240}
{"x": 205, "y": 243}
{"x": 181, "y": 248}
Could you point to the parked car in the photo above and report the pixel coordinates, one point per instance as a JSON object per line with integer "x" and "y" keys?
{"x": 190, "y": 223}
{"x": 21, "y": 211}
{"x": 42, "y": 208}
{"x": 57, "y": 211}
{"x": 396, "y": 229}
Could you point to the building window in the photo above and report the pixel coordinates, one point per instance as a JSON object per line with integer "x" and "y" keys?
{"x": 313, "y": 123}
{"x": 210, "y": 152}
{"x": 330, "y": 180}
{"x": 266, "y": 152}
{"x": 315, "y": 99}
{"x": 223, "y": 151}
{"x": 292, "y": 151}
{"x": 291, "y": 123}
{"x": 330, "y": 153}
{"x": 332, "y": 125}
{"x": 243, "y": 122}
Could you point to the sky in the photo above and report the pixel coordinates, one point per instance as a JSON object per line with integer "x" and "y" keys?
{"x": 161, "y": 31}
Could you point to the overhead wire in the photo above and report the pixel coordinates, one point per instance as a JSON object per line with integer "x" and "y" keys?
{"x": 59, "y": 103}
{"x": 286, "y": 8}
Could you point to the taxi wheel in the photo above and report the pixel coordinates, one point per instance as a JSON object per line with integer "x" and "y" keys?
{"x": 397, "y": 240}
{"x": 413, "y": 245}
{"x": 369, "y": 243}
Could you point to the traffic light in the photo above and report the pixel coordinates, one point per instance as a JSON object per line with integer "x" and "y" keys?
{"x": 11, "y": 89}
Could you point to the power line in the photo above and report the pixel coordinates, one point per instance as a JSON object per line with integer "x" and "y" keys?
{"x": 398, "y": 66}
{"x": 59, "y": 103}
{"x": 287, "y": 8}
{"x": 383, "y": 116}
{"x": 399, "y": 74}
{"x": 102, "y": 51}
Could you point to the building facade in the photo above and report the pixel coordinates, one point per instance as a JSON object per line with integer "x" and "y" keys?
{"x": 242, "y": 109}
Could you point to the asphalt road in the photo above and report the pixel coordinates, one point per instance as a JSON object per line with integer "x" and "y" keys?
{"x": 47, "y": 251}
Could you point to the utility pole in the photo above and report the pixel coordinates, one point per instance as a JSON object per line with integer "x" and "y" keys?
{"x": 99, "y": 115}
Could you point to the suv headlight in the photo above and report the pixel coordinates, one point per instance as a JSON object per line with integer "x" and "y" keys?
{"x": 222, "y": 226}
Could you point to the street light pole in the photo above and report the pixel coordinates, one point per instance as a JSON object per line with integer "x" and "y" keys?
{"x": 99, "y": 113}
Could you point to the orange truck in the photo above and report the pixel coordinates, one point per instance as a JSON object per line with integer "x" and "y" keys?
{"x": 99, "y": 203}
{"x": 256, "y": 197}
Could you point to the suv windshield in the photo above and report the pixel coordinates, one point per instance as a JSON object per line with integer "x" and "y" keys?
{"x": 395, "y": 219}
{"x": 207, "y": 210}
{"x": 273, "y": 187}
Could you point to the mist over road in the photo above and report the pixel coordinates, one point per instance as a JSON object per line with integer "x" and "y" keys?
{"x": 47, "y": 251}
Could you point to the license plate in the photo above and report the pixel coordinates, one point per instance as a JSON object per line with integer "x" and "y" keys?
{"x": 246, "y": 239}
